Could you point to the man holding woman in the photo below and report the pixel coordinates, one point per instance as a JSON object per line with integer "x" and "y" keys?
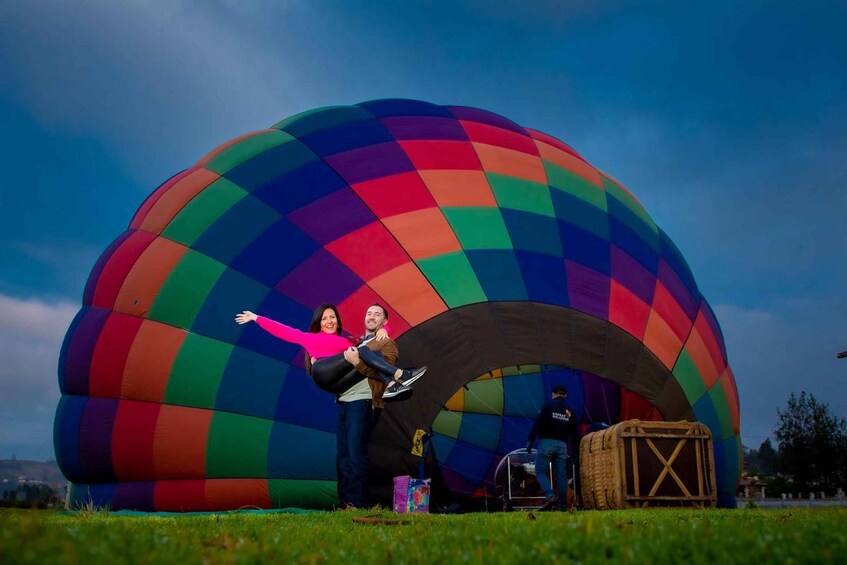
{"x": 362, "y": 376}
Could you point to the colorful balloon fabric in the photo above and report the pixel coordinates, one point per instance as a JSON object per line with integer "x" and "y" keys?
{"x": 507, "y": 264}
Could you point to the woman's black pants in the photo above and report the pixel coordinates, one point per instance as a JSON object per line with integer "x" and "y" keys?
{"x": 336, "y": 375}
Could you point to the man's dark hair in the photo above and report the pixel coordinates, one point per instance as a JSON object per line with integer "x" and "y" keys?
{"x": 384, "y": 311}
{"x": 560, "y": 389}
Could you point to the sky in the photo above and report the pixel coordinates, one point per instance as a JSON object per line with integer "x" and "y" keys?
{"x": 727, "y": 120}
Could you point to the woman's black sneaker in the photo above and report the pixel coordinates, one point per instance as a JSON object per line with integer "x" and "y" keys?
{"x": 411, "y": 375}
{"x": 395, "y": 389}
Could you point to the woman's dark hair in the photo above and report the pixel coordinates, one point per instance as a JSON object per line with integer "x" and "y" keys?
{"x": 315, "y": 325}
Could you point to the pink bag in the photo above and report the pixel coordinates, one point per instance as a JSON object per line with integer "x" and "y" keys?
{"x": 411, "y": 495}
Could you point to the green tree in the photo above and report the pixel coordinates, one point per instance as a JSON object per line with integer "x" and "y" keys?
{"x": 767, "y": 458}
{"x": 751, "y": 460}
{"x": 812, "y": 444}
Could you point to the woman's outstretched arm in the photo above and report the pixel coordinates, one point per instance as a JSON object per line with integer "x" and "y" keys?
{"x": 276, "y": 329}
{"x": 317, "y": 344}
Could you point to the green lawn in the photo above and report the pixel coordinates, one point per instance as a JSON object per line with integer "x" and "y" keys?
{"x": 646, "y": 536}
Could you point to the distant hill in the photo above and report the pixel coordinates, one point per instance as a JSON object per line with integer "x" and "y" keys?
{"x": 11, "y": 469}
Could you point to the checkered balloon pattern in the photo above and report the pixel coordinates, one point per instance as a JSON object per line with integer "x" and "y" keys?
{"x": 507, "y": 264}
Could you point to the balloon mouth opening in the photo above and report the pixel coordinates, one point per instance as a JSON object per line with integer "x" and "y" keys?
{"x": 513, "y": 344}
{"x": 489, "y": 418}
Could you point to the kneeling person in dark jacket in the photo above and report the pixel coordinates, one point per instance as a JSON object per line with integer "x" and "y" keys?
{"x": 553, "y": 427}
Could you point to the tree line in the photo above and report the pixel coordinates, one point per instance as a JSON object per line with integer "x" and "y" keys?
{"x": 811, "y": 451}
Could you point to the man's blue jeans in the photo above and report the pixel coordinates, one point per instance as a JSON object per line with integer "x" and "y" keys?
{"x": 353, "y": 432}
{"x": 555, "y": 452}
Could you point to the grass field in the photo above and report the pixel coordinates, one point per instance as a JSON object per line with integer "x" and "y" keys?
{"x": 631, "y": 536}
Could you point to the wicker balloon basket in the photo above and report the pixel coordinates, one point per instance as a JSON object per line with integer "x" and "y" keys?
{"x": 639, "y": 464}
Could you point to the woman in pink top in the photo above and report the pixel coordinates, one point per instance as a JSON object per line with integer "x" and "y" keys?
{"x": 325, "y": 348}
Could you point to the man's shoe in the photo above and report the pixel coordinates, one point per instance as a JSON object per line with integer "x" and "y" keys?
{"x": 411, "y": 375}
{"x": 395, "y": 389}
{"x": 549, "y": 504}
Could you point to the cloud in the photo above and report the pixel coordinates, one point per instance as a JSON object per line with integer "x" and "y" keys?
{"x": 55, "y": 253}
{"x": 786, "y": 348}
{"x": 66, "y": 258}
{"x": 759, "y": 218}
{"x": 125, "y": 70}
{"x": 30, "y": 341}
{"x": 47, "y": 267}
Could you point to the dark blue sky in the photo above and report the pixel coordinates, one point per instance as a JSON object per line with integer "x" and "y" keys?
{"x": 727, "y": 120}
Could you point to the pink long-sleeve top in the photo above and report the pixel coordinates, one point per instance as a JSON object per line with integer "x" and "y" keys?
{"x": 318, "y": 345}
